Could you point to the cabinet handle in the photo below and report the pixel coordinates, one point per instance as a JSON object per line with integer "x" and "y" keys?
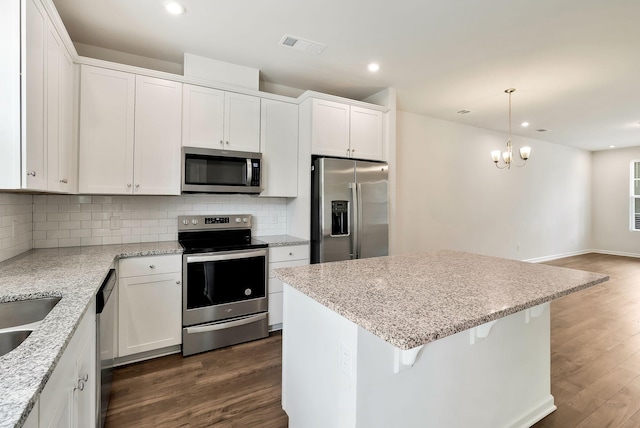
{"x": 31, "y": 173}
{"x": 152, "y": 266}
{"x": 347, "y": 152}
{"x": 81, "y": 382}
{"x": 64, "y": 181}
{"x": 178, "y": 282}
{"x": 222, "y": 142}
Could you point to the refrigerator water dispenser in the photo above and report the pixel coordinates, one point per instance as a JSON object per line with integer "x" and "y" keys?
{"x": 339, "y": 218}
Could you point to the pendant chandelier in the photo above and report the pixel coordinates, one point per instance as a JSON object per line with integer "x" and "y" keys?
{"x": 507, "y": 157}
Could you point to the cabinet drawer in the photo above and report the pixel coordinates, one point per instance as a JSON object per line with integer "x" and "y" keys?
{"x": 151, "y": 265}
{"x": 293, "y": 252}
{"x": 279, "y": 265}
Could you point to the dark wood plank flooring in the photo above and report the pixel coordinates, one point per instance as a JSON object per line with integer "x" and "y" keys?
{"x": 595, "y": 365}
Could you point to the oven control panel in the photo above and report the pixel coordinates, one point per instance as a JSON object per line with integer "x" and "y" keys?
{"x": 212, "y": 222}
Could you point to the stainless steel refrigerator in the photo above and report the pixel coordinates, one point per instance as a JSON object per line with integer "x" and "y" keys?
{"x": 349, "y": 210}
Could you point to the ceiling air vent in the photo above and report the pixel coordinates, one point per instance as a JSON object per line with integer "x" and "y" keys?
{"x": 463, "y": 111}
{"x": 300, "y": 44}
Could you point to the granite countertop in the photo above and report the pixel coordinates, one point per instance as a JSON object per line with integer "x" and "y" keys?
{"x": 75, "y": 274}
{"x": 282, "y": 240}
{"x": 413, "y": 299}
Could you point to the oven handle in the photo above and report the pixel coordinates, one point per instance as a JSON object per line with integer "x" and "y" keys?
{"x": 212, "y": 257}
{"x": 225, "y": 325}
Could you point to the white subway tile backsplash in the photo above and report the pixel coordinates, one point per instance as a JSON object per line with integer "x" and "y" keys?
{"x": 86, "y": 220}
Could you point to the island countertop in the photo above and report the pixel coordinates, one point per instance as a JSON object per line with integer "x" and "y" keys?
{"x": 413, "y": 299}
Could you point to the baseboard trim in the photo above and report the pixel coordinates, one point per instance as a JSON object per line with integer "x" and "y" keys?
{"x": 616, "y": 253}
{"x": 558, "y": 256}
{"x": 544, "y": 409}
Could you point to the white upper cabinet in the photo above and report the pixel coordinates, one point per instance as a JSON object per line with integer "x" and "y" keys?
{"x": 130, "y": 129}
{"x": 202, "y": 117}
{"x": 106, "y": 131}
{"x": 241, "y": 122}
{"x": 34, "y": 95}
{"x": 158, "y": 126}
{"x": 220, "y": 120}
{"x": 279, "y": 147}
{"x": 366, "y": 133}
{"x": 346, "y": 131}
{"x": 329, "y": 128}
{"x": 35, "y": 88}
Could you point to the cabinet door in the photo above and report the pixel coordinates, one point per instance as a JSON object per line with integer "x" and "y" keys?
{"x": 85, "y": 391}
{"x": 67, "y": 143}
{"x": 329, "y": 128}
{"x": 366, "y": 134}
{"x": 202, "y": 117}
{"x": 241, "y": 122}
{"x": 150, "y": 312}
{"x": 55, "y": 51}
{"x": 106, "y": 131}
{"x": 34, "y": 160}
{"x": 158, "y": 122}
{"x": 279, "y": 147}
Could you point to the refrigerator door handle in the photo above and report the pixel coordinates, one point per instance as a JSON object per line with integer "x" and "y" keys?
{"x": 355, "y": 226}
{"x": 358, "y": 225}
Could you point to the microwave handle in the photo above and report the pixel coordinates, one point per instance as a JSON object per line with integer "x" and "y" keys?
{"x": 249, "y": 172}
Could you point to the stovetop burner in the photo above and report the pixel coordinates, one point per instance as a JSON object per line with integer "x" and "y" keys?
{"x": 206, "y": 234}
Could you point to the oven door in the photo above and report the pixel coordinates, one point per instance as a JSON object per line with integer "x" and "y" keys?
{"x": 223, "y": 285}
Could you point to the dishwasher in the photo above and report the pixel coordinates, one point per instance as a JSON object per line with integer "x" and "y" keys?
{"x": 105, "y": 344}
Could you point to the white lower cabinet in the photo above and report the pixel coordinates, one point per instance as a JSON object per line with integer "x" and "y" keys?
{"x": 149, "y": 303}
{"x": 281, "y": 257}
{"x": 32, "y": 420}
{"x": 68, "y": 398}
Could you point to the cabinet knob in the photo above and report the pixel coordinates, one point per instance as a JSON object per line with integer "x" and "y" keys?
{"x": 137, "y": 185}
{"x": 178, "y": 282}
{"x": 227, "y": 143}
{"x": 152, "y": 266}
{"x": 222, "y": 142}
{"x": 128, "y": 184}
{"x": 64, "y": 181}
{"x": 353, "y": 150}
{"x": 291, "y": 254}
{"x": 31, "y": 173}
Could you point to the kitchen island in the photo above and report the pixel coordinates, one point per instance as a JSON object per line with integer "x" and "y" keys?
{"x": 441, "y": 339}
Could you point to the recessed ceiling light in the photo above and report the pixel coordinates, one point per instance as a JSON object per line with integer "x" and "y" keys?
{"x": 524, "y": 124}
{"x": 175, "y": 8}
{"x": 612, "y": 146}
{"x": 373, "y": 67}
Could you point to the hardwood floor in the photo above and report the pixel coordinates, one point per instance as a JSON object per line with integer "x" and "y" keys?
{"x": 238, "y": 386}
{"x": 595, "y": 348}
{"x": 595, "y": 368}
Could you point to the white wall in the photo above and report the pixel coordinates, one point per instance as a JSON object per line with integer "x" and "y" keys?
{"x": 611, "y": 202}
{"x": 78, "y": 220}
{"x": 15, "y": 224}
{"x": 450, "y": 194}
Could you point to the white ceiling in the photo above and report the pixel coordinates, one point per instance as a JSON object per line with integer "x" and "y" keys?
{"x": 575, "y": 63}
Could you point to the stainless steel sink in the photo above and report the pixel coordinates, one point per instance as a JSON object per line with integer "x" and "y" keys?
{"x": 10, "y": 340}
{"x": 23, "y": 312}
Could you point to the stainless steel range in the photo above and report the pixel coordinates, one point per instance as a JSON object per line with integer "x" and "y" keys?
{"x": 224, "y": 272}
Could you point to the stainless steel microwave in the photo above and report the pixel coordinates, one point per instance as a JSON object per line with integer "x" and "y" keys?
{"x": 220, "y": 171}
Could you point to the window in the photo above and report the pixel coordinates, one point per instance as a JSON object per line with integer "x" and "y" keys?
{"x": 635, "y": 195}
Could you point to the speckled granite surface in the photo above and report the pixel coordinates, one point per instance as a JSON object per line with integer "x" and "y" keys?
{"x": 409, "y": 300}
{"x": 75, "y": 274}
{"x": 282, "y": 240}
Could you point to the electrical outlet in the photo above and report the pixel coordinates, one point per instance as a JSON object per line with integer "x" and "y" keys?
{"x": 116, "y": 223}
{"x": 345, "y": 360}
